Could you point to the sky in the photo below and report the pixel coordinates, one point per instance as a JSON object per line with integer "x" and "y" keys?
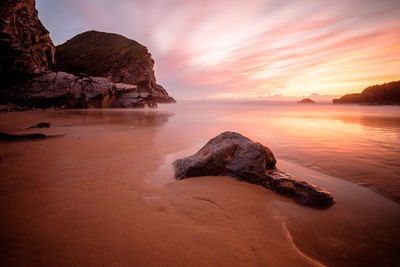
{"x": 215, "y": 49}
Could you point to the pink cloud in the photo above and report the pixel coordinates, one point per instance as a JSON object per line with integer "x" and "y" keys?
{"x": 256, "y": 47}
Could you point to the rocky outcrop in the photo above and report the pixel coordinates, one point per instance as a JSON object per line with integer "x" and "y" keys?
{"x": 306, "y": 101}
{"x": 10, "y": 107}
{"x": 25, "y": 45}
{"x": 232, "y": 154}
{"x": 60, "y": 89}
{"x": 384, "y": 94}
{"x": 27, "y": 57}
{"x": 111, "y": 56}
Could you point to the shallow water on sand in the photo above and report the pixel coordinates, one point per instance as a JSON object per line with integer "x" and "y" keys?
{"x": 355, "y": 143}
{"x": 59, "y": 194}
{"x": 326, "y": 145}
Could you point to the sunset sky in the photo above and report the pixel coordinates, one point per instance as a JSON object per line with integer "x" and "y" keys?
{"x": 252, "y": 48}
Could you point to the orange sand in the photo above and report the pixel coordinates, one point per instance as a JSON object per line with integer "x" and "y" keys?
{"x": 84, "y": 199}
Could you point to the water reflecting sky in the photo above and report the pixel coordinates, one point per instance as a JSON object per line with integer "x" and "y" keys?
{"x": 356, "y": 143}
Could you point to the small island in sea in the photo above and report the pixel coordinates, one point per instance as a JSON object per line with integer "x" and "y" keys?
{"x": 306, "y": 101}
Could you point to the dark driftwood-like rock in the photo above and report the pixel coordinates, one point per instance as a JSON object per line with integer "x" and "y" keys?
{"x": 42, "y": 125}
{"x": 232, "y": 154}
{"x": 14, "y": 137}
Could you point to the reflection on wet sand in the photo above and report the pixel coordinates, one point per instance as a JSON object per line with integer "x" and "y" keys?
{"x": 388, "y": 123}
{"x": 361, "y": 149}
{"x": 89, "y": 198}
{"x": 139, "y": 118}
{"x": 67, "y": 118}
{"x": 356, "y": 143}
{"x": 84, "y": 200}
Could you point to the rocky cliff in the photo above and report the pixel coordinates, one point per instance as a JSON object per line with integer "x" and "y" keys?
{"x": 29, "y": 76}
{"x": 25, "y": 45}
{"x": 112, "y": 56}
{"x": 384, "y": 94}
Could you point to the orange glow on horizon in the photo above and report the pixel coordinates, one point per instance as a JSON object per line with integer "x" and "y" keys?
{"x": 224, "y": 49}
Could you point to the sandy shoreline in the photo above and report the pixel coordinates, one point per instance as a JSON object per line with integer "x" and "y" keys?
{"x": 97, "y": 197}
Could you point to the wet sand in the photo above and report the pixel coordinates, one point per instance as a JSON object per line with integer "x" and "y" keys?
{"x": 102, "y": 193}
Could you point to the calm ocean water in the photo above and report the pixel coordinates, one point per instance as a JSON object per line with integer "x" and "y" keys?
{"x": 357, "y": 143}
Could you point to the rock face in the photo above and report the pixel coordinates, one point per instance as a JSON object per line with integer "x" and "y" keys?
{"x": 384, "y": 94}
{"x": 306, "y": 101}
{"x": 232, "y": 154}
{"x": 111, "y": 56}
{"x": 27, "y": 57}
{"x": 60, "y": 89}
{"x": 25, "y": 45}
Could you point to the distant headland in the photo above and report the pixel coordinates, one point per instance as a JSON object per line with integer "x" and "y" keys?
{"x": 384, "y": 94}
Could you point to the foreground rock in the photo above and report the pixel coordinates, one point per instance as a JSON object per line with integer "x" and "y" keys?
{"x": 60, "y": 89}
{"x": 384, "y": 94}
{"x": 232, "y": 154}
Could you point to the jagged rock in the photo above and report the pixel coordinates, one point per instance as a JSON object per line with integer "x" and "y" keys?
{"x": 384, "y": 94}
{"x": 14, "y": 137}
{"x": 306, "y": 101}
{"x": 9, "y": 107}
{"x": 303, "y": 192}
{"x": 232, "y": 154}
{"x": 61, "y": 89}
{"x": 25, "y": 45}
{"x": 112, "y": 56}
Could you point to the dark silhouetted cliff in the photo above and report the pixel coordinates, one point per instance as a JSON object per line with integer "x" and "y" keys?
{"x": 25, "y": 45}
{"x": 384, "y": 94}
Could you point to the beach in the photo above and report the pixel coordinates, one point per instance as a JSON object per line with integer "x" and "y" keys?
{"x": 100, "y": 190}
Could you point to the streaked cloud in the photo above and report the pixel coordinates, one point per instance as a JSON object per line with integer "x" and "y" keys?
{"x": 228, "y": 48}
